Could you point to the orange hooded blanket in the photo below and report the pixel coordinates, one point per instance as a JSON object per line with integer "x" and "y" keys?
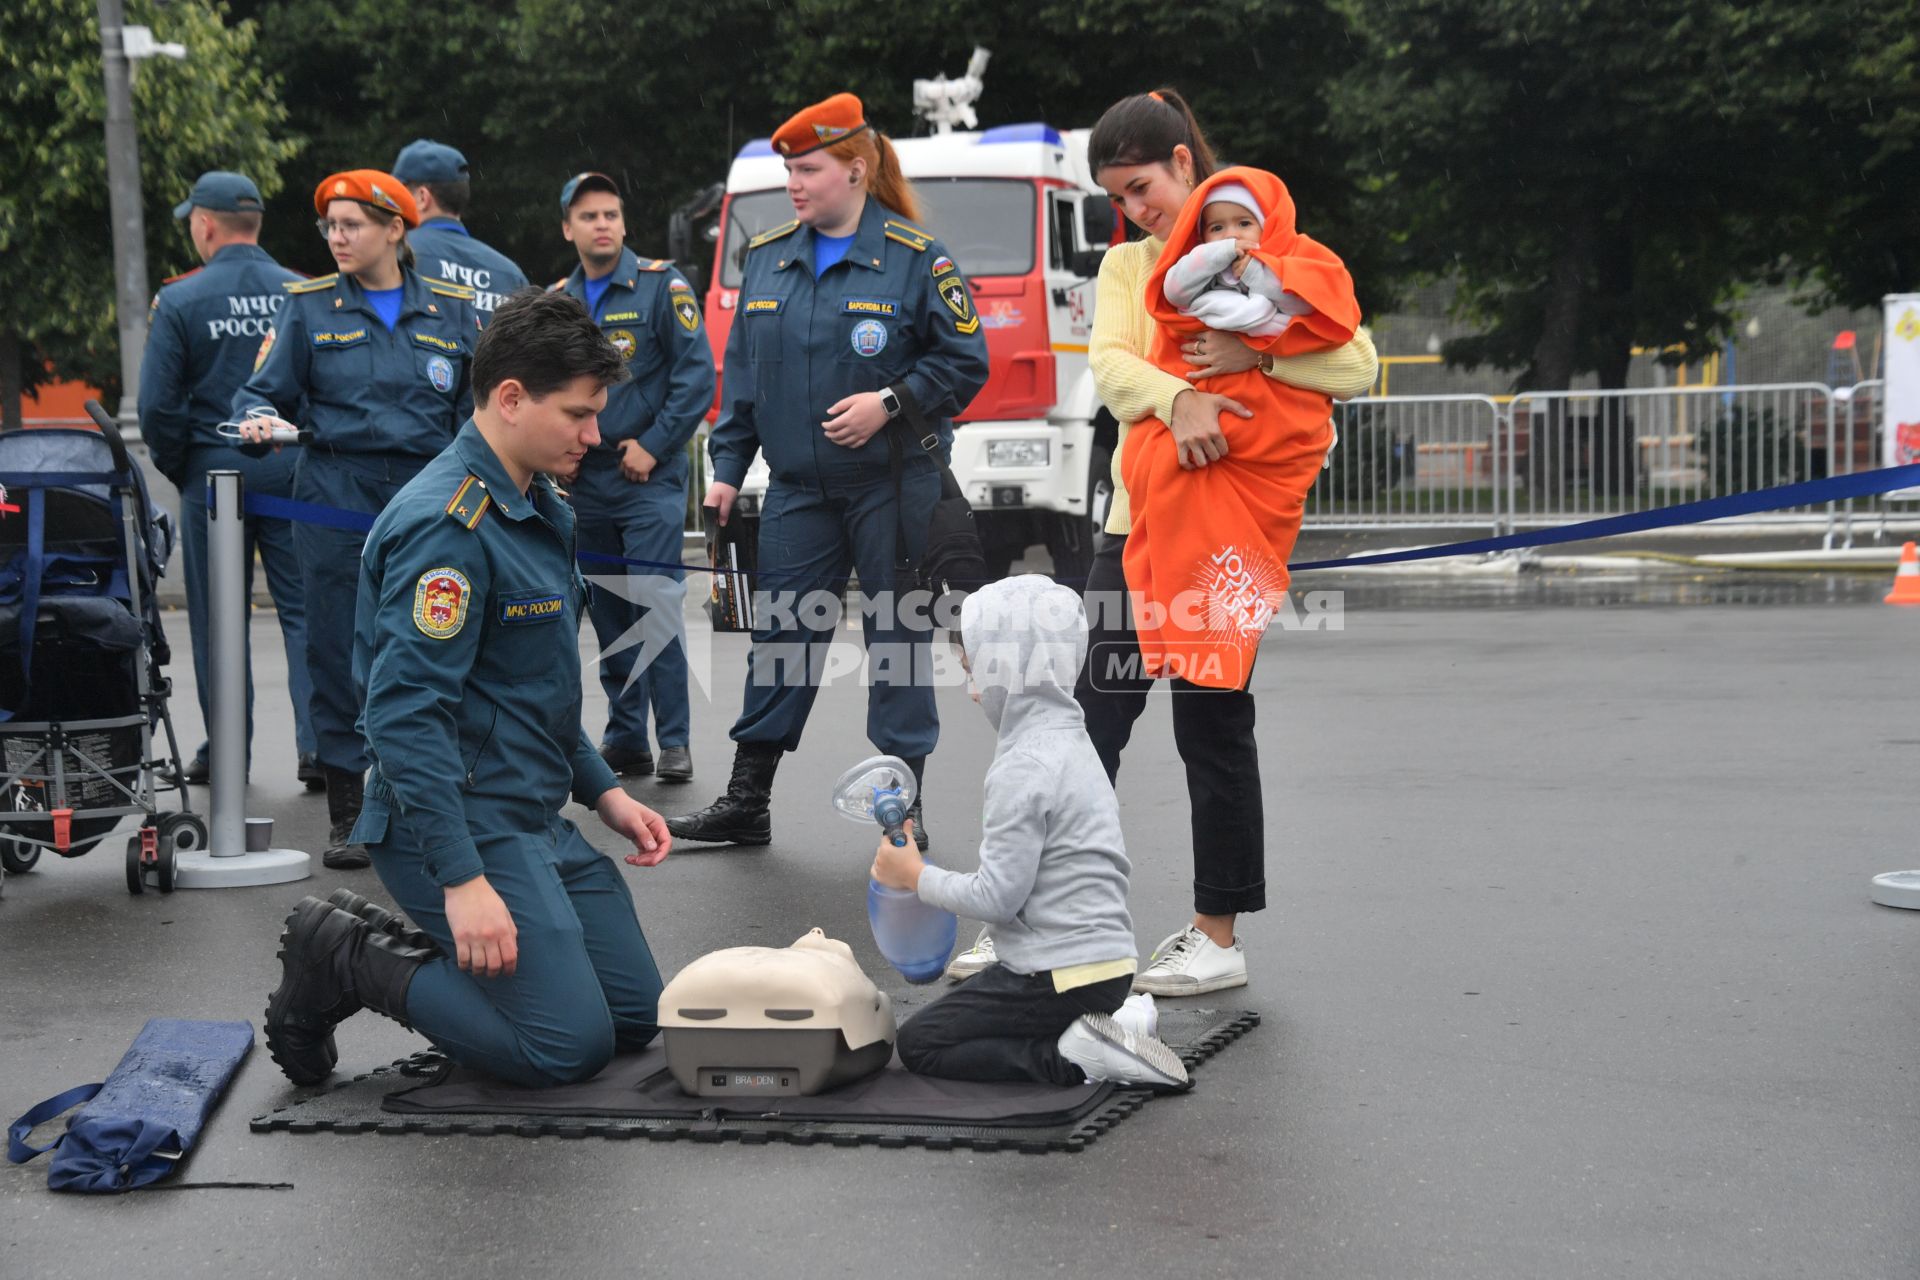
{"x": 1206, "y": 560}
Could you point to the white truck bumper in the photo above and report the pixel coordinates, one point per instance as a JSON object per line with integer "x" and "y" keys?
{"x": 992, "y": 480}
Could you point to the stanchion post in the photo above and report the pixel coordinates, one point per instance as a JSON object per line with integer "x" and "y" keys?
{"x": 226, "y": 862}
{"x": 227, "y": 655}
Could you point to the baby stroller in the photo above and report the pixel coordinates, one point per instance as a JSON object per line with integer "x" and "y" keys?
{"x": 80, "y": 655}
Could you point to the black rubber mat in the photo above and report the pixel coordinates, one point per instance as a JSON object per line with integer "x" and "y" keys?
{"x": 408, "y": 1097}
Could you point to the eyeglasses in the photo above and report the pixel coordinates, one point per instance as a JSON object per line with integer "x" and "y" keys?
{"x": 327, "y": 226}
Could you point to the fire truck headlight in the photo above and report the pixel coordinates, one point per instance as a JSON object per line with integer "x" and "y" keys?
{"x": 1017, "y": 453}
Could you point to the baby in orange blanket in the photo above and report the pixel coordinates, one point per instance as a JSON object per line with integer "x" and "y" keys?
{"x": 1206, "y": 561}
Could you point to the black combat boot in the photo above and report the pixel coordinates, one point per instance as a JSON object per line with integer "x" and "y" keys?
{"x": 346, "y": 789}
{"x": 332, "y": 965}
{"x": 740, "y": 816}
{"x": 391, "y": 923}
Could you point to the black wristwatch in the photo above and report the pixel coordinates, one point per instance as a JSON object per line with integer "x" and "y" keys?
{"x": 890, "y": 401}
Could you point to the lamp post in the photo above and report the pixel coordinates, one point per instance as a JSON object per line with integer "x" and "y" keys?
{"x": 120, "y": 46}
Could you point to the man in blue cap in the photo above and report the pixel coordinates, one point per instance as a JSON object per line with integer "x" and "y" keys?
{"x": 203, "y": 331}
{"x": 437, "y": 175}
{"x": 631, "y": 491}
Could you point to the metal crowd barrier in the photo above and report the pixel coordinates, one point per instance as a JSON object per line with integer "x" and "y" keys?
{"x": 1414, "y": 460}
{"x": 1552, "y": 457}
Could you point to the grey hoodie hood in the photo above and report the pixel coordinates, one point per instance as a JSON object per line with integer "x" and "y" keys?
{"x": 1025, "y": 639}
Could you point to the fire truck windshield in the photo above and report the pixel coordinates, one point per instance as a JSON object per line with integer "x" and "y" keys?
{"x": 988, "y": 224}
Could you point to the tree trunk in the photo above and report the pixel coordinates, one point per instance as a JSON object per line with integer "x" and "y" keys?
{"x": 11, "y": 380}
{"x": 1567, "y": 284}
{"x": 1612, "y": 329}
{"x": 1615, "y": 363}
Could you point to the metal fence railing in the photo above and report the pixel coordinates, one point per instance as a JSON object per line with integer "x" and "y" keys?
{"x": 1858, "y": 446}
{"x": 1413, "y": 460}
{"x": 1579, "y": 455}
{"x": 1553, "y": 457}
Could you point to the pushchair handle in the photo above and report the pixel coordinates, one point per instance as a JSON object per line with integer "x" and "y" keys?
{"x": 111, "y": 430}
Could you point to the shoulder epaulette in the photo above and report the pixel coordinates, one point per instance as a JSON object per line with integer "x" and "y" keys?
{"x": 315, "y": 285}
{"x": 655, "y": 264}
{"x": 183, "y": 275}
{"x": 468, "y": 504}
{"x": 448, "y": 289}
{"x": 909, "y": 235}
{"x": 768, "y": 237}
{"x": 559, "y": 284}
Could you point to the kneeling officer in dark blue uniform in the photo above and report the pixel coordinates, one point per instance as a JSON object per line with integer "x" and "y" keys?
{"x": 465, "y": 645}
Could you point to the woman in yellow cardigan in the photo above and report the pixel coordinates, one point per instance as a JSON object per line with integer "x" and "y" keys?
{"x": 1148, "y": 152}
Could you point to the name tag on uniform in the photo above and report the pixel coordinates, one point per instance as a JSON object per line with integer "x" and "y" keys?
{"x": 618, "y": 316}
{"x": 436, "y": 342}
{"x": 762, "y": 306}
{"x": 536, "y": 607}
{"x": 327, "y": 341}
{"x": 870, "y": 307}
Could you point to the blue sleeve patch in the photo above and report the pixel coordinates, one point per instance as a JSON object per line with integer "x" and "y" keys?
{"x": 870, "y": 307}
{"x": 537, "y": 606}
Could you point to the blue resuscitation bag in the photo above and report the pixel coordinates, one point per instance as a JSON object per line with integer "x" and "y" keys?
{"x": 146, "y": 1116}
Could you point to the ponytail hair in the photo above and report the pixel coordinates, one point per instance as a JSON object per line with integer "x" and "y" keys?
{"x": 886, "y": 180}
{"x": 1144, "y": 129}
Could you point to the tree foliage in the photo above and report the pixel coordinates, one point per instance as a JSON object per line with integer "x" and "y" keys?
{"x": 1595, "y": 176}
{"x": 216, "y": 110}
{"x": 662, "y": 96}
{"x": 1598, "y": 176}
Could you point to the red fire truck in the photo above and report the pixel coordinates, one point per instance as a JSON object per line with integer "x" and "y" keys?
{"x": 1018, "y": 210}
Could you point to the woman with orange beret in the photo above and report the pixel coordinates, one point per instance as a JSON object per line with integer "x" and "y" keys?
{"x": 854, "y": 345}
{"x": 373, "y": 360}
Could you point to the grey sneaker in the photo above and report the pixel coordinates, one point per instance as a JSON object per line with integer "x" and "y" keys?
{"x": 1105, "y": 1050}
{"x": 975, "y": 958}
{"x": 1189, "y": 963}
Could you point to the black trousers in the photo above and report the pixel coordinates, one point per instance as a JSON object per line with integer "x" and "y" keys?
{"x": 1002, "y": 1025}
{"x": 1212, "y": 730}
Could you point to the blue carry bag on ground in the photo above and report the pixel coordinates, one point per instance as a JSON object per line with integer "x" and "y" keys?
{"x": 138, "y": 1125}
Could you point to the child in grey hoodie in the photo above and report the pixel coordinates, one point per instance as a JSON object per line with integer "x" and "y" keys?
{"x": 1052, "y": 883}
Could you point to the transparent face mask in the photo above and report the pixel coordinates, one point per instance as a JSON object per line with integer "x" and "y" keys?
{"x": 877, "y": 783}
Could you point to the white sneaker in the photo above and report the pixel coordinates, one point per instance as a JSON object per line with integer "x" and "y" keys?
{"x": 1189, "y": 963}
{"x": 1105, "y": 1050}
{"x": 975, "y": 958}
{"x": 1139, "y": 1015}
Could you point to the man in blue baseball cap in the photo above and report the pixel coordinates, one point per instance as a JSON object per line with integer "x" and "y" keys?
{"x": 437, "y": 176}
{"x": 631, "y": 490}
{"x": 202, "y": 334}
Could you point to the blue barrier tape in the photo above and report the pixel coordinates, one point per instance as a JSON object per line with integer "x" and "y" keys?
{"x": 1805, "y": 493}
{"x": 261, "y": 504}
{"x": 61, "y": 479}
{"x": 1859, "y": 484}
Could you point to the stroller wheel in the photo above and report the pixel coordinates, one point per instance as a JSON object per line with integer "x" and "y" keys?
{"x": 136, "y": 883}
{"x": 18, "y": 856}
{"x": 181, "y": 833}
{"x": 163, "y": 870}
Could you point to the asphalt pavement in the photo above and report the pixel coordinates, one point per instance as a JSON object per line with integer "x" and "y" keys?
{"x": 1570, "y": 972}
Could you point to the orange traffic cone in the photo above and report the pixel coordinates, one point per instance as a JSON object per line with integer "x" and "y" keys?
{"x": 1906, "y": 583}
